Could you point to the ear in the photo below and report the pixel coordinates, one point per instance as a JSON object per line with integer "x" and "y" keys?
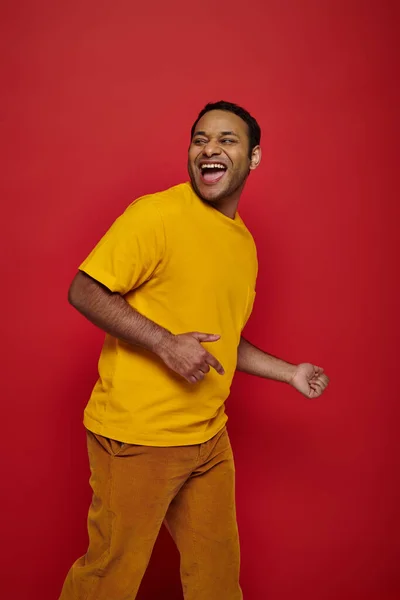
{"x": 255, "y": 158}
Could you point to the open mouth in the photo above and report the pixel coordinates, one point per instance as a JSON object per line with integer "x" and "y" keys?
{"x": 212, "y": 172}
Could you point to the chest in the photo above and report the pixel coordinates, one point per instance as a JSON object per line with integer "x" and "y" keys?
{"x": 204, "y": 259}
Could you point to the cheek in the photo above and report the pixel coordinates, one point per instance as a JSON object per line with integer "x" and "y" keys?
{"x": 237, "y": 158}
{"x": 192, "y": 160}
{"x": 242, "y": 163}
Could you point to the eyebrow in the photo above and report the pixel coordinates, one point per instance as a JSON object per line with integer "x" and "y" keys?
{"x": 221, "y": 133}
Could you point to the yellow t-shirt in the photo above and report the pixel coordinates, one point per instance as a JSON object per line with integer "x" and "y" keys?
{"x": 187, "y": 267}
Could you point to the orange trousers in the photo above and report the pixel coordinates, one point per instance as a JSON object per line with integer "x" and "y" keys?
{"x": 137, "y": 488}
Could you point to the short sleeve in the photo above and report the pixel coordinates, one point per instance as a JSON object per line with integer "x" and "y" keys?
{"x": 251, "y": 296}
{"x": 131, "y": 250}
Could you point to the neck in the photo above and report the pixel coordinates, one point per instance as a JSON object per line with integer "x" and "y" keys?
{"x": 228, "y": 206}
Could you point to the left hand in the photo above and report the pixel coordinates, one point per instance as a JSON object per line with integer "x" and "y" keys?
{"x": 309, "y": 380}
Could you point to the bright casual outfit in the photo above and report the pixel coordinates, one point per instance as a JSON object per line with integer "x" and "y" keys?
{"x": 187, "y": 267}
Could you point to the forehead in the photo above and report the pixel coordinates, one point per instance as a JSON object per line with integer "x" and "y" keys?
{"x": 216, "y": 121}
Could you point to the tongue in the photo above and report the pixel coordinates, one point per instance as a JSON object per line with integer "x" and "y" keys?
{"x": 212, "y": 176}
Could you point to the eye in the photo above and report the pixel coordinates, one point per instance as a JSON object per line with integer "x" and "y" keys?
{"x": 227, "y": 141}
{"x": 199, "y": 142}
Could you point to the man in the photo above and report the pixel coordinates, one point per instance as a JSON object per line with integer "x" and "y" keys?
{"x": 172, "y": 284}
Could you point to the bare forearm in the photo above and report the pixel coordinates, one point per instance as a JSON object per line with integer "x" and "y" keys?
{"x": 114, "y": 315}
{"x": 254, "y": 361}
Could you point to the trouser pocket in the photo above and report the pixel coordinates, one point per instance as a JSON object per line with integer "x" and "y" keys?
{"x": 113, "y": 447}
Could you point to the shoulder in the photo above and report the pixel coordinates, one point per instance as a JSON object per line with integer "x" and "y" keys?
{"x": 161, "y": 204}
{"x": 249, "y": 242}
{"x": 246, "y": 233}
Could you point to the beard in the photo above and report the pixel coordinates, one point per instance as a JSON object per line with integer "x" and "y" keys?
{"x": 214, "y": 194}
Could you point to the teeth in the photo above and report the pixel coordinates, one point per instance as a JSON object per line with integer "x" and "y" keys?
{"x": 213, "y": 166}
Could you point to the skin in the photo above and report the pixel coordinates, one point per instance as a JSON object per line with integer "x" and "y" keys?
{"x": 211, "y": 143}
{"x": 184, "y": 353}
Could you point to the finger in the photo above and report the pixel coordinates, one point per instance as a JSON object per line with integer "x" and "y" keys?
{"x": 318, "y": 370}
{"x": 205, "y": 337}
{"x": 317, "y": 388}
{"x": 205, "y": 368}
{"x": 214, "y": 363}
{"x": 320, "y": 378}
{"x": 196, "y": 376}
{"x": 316, "y": 383}
{"x": 322, "y": 381}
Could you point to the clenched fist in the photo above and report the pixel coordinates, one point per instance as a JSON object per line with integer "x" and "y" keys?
{"x": 185, "y": 355}
{"x": 309, "y": 380}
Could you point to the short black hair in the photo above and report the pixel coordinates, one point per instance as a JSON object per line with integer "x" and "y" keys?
{"x": 253, "y": 126}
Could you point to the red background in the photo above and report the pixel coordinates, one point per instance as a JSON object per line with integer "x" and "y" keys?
{"x": 97, "y": 103}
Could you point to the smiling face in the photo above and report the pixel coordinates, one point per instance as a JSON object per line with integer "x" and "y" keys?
{"x": 219, "y": 161}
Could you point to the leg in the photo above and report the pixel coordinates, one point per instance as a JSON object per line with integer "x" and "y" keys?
{"x": 132, "y": 489}
{"x": 202, "y": 521}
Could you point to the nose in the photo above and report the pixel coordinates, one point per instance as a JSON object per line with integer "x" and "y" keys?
{"x": 211, "y": 148}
